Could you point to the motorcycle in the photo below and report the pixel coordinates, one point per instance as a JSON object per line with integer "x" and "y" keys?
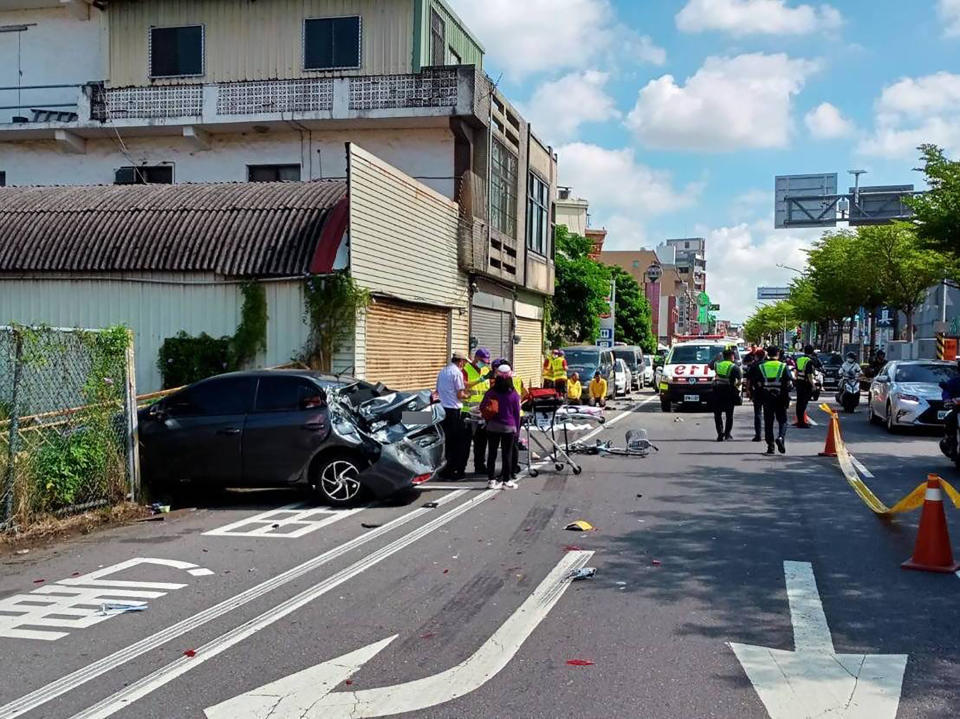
{"x": 950, "y": 444}
{"x": 848, "y": 395}
{"x": 817, "y": 385}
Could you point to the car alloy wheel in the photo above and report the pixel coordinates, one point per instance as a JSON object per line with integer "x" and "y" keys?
{"x": 871, "y": 415}
{"x": 338, "y": 481}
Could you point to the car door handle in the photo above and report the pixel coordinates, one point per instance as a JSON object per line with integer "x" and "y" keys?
{"x": 229, "y": 430}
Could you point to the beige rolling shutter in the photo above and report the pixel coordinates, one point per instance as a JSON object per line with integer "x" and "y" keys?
{"x": 407, "y": 344}
{"x": 528, "y": 355}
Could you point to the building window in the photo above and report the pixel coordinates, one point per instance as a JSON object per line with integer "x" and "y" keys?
{"x": 176, "y": 51}
{"x": 538, "y": 216}
{"x": 636, "y": 264}
{"x": 438, "y": 38}
{"x": 273, "y": 173}
{"x": 331, "y": 43}
{"x": 3, "y": 179}
{"x": 503, "y": 190}
{"x": 144, "y": 175}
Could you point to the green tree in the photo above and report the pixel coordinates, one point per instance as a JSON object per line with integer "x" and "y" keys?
{"x": 904, "y": 268}
{"x": 767, "y": 323}
{"x": 937, "y": 212}
{"x": 582, "y": 286}
{"x": 633, "y": 318}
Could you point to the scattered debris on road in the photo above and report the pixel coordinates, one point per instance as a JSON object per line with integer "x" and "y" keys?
{"x": 110, "y": 609}
{"x": 579, "y": 662}
{"x": 370, "y": 525}
{"x": 583, "y": 573}
{"x": 580, "y": 526}
{"x": 190, "y": 653}
{"x": 431, "y": 505}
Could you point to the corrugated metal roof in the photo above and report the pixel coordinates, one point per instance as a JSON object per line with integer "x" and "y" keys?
{"x": 238, "y": 229}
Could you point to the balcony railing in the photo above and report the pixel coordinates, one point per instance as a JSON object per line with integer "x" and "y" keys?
{"x": 38, "y": 103}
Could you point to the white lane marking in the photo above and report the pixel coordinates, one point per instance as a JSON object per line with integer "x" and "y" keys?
{"x": 67, "y": 683}
{"x": 859, "y": 465}
{"x": 150, "y": 683}
{"x": 71, "y": 681}
{"x": 814, "y": 681}
{"x": 306, "y": 694}
{"x": 76, "y": 602}
{"x": 290, "y": 522}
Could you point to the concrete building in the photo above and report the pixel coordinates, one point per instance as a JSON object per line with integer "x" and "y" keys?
{"x": 574, "y": 212}
{"x": 691, "y": 261}
{"x": 200, "y": 91}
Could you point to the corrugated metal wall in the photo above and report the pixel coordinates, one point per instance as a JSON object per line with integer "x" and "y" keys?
{"x": 528, "y": 355}
{"x": 262, "y": 40}
{"x": 406, "y": 343}
{"x": 403, "y": 244}
{"x": 456, "y": 37}
{"x": 156, "y": 311}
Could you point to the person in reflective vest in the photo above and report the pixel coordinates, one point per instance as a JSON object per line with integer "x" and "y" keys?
{"x": 776, "y": 385}
{"x": 558, "y": 365}
{"x": 807, "y": 365}
{"x": 478, "y": 383}
{"x": 726, "y": 389}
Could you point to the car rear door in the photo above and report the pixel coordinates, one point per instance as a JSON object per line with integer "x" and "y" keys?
{"x": 289, "y": 423}
{"x": 198, "y": 432}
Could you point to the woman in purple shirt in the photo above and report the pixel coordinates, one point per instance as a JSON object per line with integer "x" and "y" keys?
{"x": 503, "y": 429}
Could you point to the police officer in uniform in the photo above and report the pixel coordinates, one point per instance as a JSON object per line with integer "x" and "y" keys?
{"x": 478, "y": 383}
{"x": 755, "y": 385}
{"x": 807, "y": 364}
{"x": 775, "y": 397}
{"x": 726, "y": 389}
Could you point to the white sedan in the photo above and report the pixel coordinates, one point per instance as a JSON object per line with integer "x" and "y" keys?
{"x": 622, "y": 382}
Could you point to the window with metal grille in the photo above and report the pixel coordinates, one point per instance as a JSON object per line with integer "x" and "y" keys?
{"x": 3, "y": 179}
{"x": 503, "y": 190}
{"x": 273, "y": 173}
{"x": 538, "y": 216}
{"x": 438, "y": 39}
{"x": 176, "y": 51}
{"x": 144, "y": 175}
{"x": 331, "y": 43}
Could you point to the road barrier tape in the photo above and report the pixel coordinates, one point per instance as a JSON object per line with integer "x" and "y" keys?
{"x": 912, "y": 501}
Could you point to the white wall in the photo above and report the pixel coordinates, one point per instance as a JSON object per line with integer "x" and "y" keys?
{"x": 57, "y": 50}
{"x": 426, "y": 154}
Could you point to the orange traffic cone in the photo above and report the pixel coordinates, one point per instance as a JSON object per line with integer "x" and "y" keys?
{"x": 932, "y": 552}
{"x": 833, "y": 433}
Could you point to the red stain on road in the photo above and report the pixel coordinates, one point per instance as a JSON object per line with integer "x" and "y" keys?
{"x": 579, "y": 662}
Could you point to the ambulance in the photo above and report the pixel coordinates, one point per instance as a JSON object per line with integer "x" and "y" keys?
{"x": 687, "y": 380}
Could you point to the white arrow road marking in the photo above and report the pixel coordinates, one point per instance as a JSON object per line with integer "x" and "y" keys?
{"x": 814, "y": 681}
{"x": 307, "y": 694}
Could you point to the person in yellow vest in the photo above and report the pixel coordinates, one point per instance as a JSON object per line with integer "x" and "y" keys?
{"x": 477, "y": 381}
{"x": 726, "y": 389}
{"x": 776, "y": 384}
{"x": 574, "y": 389}
{"x": 548, "y": 371}
{"x": 598, "y": 391}
{"x": 807, "y": 365}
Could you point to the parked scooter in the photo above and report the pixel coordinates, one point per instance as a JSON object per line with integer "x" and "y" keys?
{"x": 817, "y": 379}
{"x": 950, "y": 444}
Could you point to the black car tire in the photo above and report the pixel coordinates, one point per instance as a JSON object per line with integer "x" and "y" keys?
{"x": 891, "y": 425}
{"x": 335, "y": 479}
{"x": 872, "y": 417}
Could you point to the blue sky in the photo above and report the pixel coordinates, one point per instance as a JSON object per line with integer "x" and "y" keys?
{"x": 673, "y": 116}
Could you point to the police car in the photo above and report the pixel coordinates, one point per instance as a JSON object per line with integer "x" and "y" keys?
{"x": 687, "y": 379}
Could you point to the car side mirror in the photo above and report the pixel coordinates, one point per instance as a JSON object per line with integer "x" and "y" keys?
{"x": 882, "y": 378}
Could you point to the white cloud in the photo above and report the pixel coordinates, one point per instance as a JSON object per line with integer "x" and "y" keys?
{"x": 559, "y": 107}
{"x": 757, "y": 17}
{"x": 826, "y": 122}
{"x": 745, "y": 256}
{"x": 949, "y": 12}
{"x": 730, "y": 103}
{"x": 534, "y": 36}
{"x": 616, "y": 184}
{"x": 914, "y": 111}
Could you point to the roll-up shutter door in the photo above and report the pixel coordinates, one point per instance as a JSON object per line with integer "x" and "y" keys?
{"x": 492, "y": 329}
{"x": 407, "y": 344}
{"x": 528, "y": 355}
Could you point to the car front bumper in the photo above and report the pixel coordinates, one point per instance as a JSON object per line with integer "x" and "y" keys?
{"x": 925, "y": 413}
{"x": 683, "y": 393}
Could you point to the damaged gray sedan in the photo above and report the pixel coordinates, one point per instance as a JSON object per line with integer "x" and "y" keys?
{"x": 343, "y": 438}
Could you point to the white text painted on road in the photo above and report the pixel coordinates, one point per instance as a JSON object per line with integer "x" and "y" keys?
{"x": 813, "y": 680}
{"x": 77, "y": 602}
{"x": 290, "y": 522}
{"x": 307, "y": 694}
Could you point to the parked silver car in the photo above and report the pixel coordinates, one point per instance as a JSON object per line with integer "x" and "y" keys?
{"x": 907, "y": 394}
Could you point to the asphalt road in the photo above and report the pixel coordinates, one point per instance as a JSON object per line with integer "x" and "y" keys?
{"x": 469, "y": 599}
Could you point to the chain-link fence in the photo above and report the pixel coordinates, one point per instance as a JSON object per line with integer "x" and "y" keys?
{"x": 67, "y": 425}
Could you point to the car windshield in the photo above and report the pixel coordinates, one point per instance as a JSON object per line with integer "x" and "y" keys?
{"x": 582, "y": 358}
{"x": 628, "y": 356}
{"x": 926, "y": 373}
{"x": 694, "y": 354}
{"x": 830, "y": 360}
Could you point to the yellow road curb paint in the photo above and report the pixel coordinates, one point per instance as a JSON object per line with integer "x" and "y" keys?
{"x": 912, "y": 501}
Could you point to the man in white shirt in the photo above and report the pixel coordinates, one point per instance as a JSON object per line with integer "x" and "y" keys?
{"x": 452, "y": 389}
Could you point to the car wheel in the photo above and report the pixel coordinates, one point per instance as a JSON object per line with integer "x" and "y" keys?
{"x": 336, "y": 479}
{"x": 891, "y": 422}
{"x": 871, "y": 415}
